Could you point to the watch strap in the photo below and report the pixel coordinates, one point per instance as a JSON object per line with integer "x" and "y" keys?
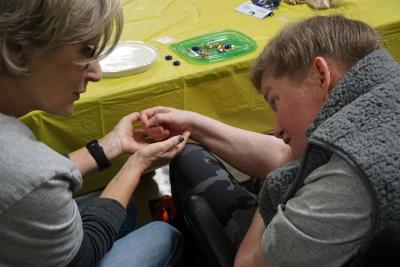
{"x": 97, "y": 153}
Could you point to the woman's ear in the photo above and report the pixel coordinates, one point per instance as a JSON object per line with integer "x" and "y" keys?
{"x": 324, "y": 75}
{"x": 14, "y": 48}
{"x": 17, "y": 51}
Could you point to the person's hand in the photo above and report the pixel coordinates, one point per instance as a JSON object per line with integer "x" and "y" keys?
{"x": 159, "y": 153}
{"x": 124, "y": 183}
{"x": 163, "y": 122}
{"x": 124, "y": 138}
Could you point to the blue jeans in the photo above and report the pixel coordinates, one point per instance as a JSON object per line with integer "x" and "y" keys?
{"x": 154, "y": 244}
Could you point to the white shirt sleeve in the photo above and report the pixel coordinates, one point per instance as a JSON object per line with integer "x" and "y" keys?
{"x": 324, "y": 223}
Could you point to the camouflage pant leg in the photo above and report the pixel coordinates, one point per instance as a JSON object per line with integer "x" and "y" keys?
{"x": 196, "y": 171}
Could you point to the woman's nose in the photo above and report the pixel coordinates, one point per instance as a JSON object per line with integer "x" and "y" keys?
{"x": 94, "y": 72}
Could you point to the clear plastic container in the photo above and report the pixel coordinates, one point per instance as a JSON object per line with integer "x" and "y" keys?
{"x": 214, "y": 47}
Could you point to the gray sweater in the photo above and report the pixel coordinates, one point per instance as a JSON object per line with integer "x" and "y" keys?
{"x": 39, "y": 221}
{"x": 360, "y": 123}
{"x": 40, "y": 224}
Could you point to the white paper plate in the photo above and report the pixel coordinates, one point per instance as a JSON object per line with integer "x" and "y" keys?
{"x": 128, "y": 57}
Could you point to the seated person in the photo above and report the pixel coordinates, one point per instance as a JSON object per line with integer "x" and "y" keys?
{"x": 49, "y": 52}
{"x": 332, "y": 167}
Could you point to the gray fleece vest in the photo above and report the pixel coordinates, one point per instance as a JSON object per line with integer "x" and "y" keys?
{"x": 360, "y": 122}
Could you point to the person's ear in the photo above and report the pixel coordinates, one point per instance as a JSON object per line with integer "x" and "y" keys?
{"x": 14, "y": 48}
{"x": 18, "y": 51}
{"x": 324, "y": 75}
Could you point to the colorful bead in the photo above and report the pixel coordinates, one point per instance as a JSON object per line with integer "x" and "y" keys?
{"x": 196, "y": 48}
{"x": 209, "y": 46}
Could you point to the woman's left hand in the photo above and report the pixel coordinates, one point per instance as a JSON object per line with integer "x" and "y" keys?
{"x": 159, "y": 153}
{"x": 124, "y": 138}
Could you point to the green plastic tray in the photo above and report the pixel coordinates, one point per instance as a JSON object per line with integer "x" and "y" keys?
{"x": 214, "y": 47}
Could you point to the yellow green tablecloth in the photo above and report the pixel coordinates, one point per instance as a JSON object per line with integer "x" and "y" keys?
{"x": 220, "y": 90}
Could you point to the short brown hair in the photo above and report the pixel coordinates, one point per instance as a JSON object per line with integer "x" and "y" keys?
{"x": 293, "y": 50}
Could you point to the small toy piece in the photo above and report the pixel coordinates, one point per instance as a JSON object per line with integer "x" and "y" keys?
{"x": 196, "y": 48}
{"x": 204, "y": 55}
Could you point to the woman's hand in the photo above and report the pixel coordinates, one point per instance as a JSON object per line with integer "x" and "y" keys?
{"x": 159, "y": 153}
{"x": 163, "y": 122}
{"x": 126, "y": 180}
{"x": 124, "y": 138}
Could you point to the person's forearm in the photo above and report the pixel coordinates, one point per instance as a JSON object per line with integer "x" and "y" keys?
{"x": 122, "y": 186}
{"x": 250, "y": 252}
{"x": 252, "y": 153}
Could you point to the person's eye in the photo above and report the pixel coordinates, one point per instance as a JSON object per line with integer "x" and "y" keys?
{"x": 273, "y": 101}
{"x": 89, "y": 50}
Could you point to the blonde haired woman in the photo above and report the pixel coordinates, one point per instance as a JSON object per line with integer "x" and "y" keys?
{"x": 48, "y": 53}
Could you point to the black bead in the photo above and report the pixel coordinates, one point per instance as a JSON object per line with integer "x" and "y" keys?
{"x": 176, "y": 63}
{"x": 168, "y": 57}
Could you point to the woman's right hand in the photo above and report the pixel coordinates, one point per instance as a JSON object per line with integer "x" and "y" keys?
{"x": 163, "y": 122}
{"x": 147, "y": 157}
{"x": 159, "y": 153}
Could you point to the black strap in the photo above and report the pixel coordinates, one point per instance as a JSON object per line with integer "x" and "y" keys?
{"x": 97, "y": 153}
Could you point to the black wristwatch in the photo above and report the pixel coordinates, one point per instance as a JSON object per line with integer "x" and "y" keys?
{"x": 97, "y": 153}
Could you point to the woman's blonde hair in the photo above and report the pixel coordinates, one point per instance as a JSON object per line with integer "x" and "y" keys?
{"x": 47, "y": 24}
{"x": 293, "y": 50}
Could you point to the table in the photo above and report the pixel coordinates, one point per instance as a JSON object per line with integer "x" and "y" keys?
{"x": 219, "y": 90}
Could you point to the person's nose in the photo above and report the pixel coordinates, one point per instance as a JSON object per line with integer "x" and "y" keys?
{"x": 278, "y": 132}
{"x": 94, "y": 73}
